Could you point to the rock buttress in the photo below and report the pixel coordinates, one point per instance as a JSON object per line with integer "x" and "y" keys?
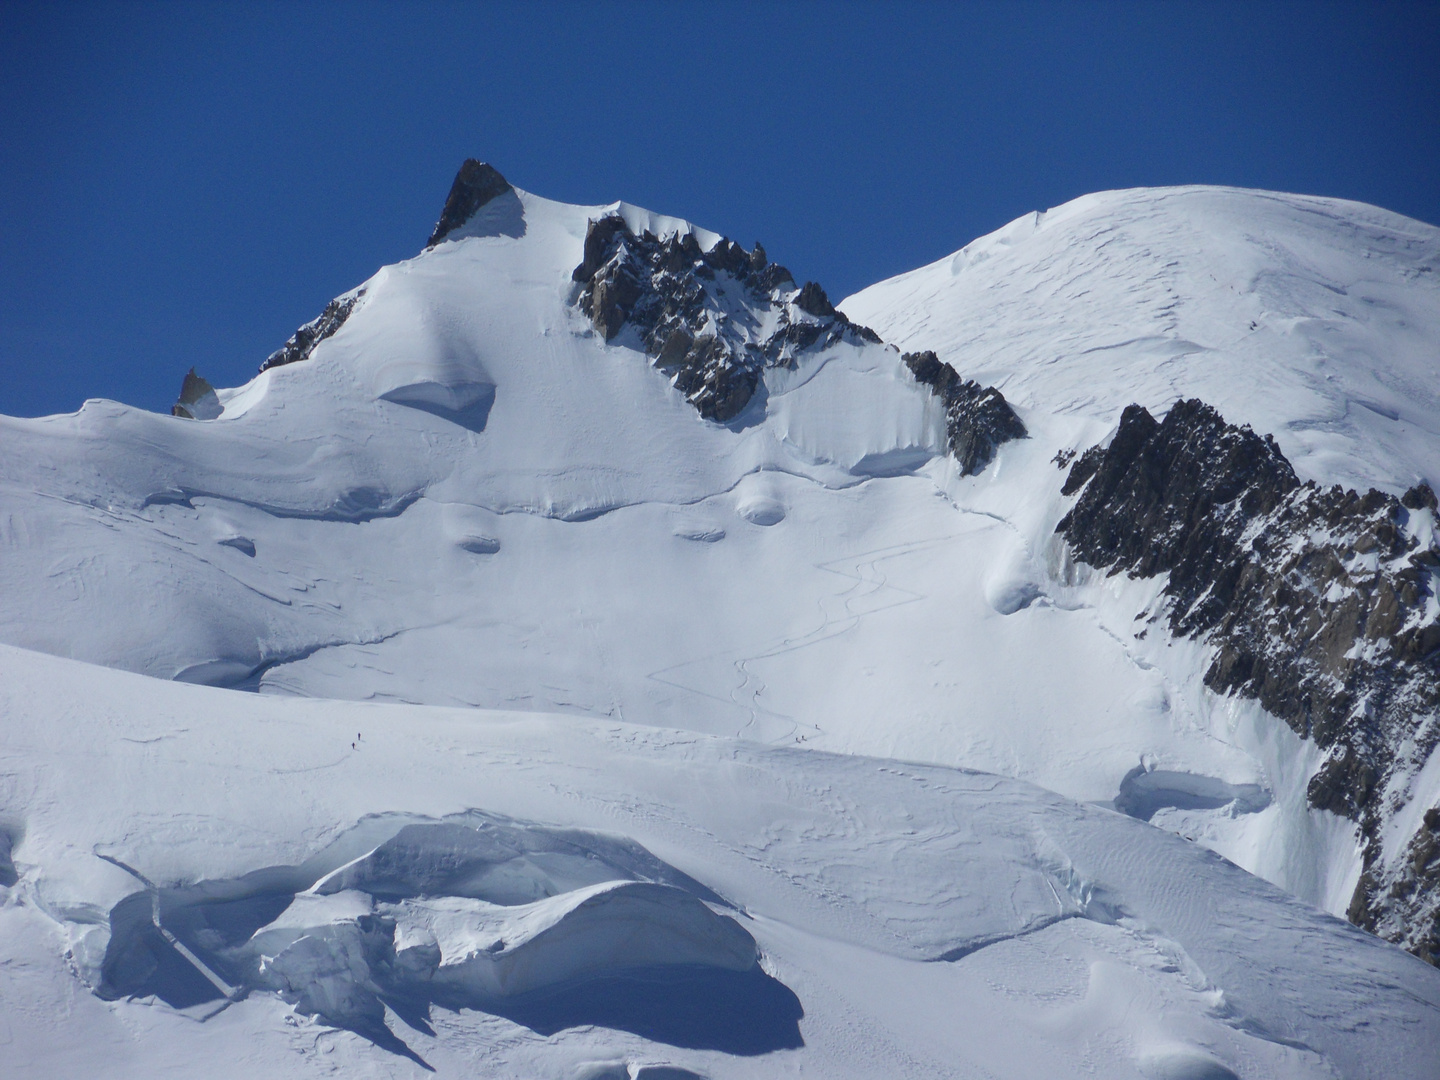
{"x": 978, "y": 419}
{"x": 1319, "y": 603}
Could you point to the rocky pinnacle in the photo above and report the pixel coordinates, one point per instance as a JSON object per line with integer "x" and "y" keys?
{"x": 475, "y": 185}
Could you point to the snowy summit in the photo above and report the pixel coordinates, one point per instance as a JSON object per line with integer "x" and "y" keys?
{"x": 584, "y": 651}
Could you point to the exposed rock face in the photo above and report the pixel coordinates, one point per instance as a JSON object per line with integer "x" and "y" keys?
{"x": 198, "y": 400}
{"x": 977, "y": 418}
{"x": 302, "y": 343}
{"x": 1320, "y": 603}
{"x": 475, "y": 185}
{"x": 8, "y": 876}
{"x": 712, "y": 320}
{"x": 1401, "y": 902}
{"x": 813, "y": 301}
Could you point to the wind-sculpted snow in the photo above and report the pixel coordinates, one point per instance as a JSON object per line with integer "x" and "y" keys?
{"x": 474, "y": 912}
{"x": 1314, "y": 319}
{"x": 1144, "y": 792}
{"x": 463, "y": 391}
{"x": 901, "y": 912}
{"x": 1320, "y": 603}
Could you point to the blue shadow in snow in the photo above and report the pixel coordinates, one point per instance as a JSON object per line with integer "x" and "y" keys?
{"x": 745, "y": 1013}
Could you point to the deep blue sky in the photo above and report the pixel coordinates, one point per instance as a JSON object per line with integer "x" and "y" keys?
{"x": 184, "y": 185}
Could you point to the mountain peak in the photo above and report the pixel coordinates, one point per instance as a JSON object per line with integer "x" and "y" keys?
{"x": 475, "y": 185}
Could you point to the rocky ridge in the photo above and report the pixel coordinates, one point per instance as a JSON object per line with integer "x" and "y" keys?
{"x": 1319, "y": 602}
{"x": 475, "y": 185}
{"x": 711, "y": 320}
{"x": 302, "y": 343}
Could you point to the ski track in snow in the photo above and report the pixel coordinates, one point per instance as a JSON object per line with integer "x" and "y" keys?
{"x": 862, "y": 586}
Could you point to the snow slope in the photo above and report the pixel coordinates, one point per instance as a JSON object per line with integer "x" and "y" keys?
{"x": 911, "y": 919}
{"x": 1311, "y": 319}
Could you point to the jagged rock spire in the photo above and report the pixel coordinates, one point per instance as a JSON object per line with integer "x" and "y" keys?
{"x": 978, "y": 419}
{"x": 475, "y": 185}
{"x": 198, "y": 400}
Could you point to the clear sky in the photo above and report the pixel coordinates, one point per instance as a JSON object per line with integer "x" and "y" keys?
{"x": 185, "y": 184}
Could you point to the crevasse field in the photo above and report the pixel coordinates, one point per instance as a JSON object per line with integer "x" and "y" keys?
{"x": 459, "y": 700}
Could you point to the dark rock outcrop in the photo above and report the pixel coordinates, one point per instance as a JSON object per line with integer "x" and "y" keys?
{"x": 1419, "y": 497}
{"x": 302, "y": 343}
{"x": 978, "y": 419}
{"x": 1318, "y": 602}
{"x": 813, "y": 301}
{"x": 8, "y": 876}
{"x": 711, "y": 320}
{"x": 475, "y": 185}
{"x": 198, "y": 400}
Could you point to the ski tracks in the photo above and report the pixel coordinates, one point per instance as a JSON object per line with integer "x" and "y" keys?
{"x": 867, "y": 592}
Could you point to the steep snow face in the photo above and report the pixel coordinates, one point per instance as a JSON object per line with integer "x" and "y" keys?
{"x": 1315, "y": 320}
{"x": 606, "y": 905}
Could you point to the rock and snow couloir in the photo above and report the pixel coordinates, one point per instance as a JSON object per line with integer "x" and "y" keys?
{"x": 596, "y": 461}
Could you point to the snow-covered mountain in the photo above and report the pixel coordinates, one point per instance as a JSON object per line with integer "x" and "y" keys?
{"x": 1315, "y": 322}
{"x": 735, "y": 676}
